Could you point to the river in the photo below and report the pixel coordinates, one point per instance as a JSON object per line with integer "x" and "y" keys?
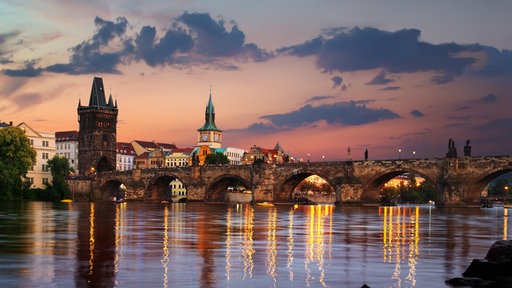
{"x": 210, "y": 245}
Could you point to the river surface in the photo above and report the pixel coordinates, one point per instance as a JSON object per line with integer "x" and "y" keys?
{"x": 209, "y": 245}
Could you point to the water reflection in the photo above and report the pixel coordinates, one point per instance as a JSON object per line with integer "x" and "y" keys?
{"x": 191, "y": 245}
{"x": 319, "y": 216}
{"x": 400, "y": 230}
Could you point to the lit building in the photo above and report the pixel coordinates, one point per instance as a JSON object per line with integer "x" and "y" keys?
{"x": 125, "y": 157}
{"x": 178, "y": 157}
{"x": 44, "y": 144}
{"x": 66, "y": 143}
{"x": 276, "y": 155}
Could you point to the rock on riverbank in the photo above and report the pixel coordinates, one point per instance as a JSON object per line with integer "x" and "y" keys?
{"x": 493, "y": 271}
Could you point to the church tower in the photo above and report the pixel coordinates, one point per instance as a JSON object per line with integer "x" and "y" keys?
{"x": 97, "y": 132}
{"x": 209, "y": 134}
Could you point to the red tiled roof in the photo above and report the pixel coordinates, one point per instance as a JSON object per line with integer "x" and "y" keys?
{"x": 66, "y": 136}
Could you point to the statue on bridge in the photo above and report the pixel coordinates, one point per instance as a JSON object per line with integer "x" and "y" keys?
{"x": 366, "y": 155}
{"x": 467, "y": 149}
{"x": 452, "y": 151}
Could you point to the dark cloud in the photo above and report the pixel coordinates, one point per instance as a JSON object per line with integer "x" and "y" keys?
{"x": 194, "y": 38}
{"x": 380, "y": 79}
{"x": 490, "y": 98}
{"x": 5, "y": 47}
{"x": 441, "y": 79}
{"x": 94, "y": 55}
{"x": 336, "y": 80}
{"x": 416, "y": 113}
{"x": 163, "y": 51}
{"x": 497, "y": 62}
{"x": 318, "y": 98}
{"x": 390, "y": 88}
{"x": 341, "y": 113}
{"x": 27, "y": 71}
{"x": 214, "y": 40}
{"x": 370, "y": 48}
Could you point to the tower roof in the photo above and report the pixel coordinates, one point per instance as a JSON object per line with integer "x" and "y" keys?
{"x": 97, "y": 98}
{"x": 209, "y": 116}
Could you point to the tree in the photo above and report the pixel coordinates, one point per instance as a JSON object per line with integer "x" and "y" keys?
{"x": 16, "y": 158}
{"x": 216, "y": 158}
{"x": 59, "y": 167}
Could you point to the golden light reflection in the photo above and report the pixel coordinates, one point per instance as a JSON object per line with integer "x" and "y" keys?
{"x": 400, "y": 237}
{"x": 289, "y": 252}
{"x": 91, "y": 238}
{"x": 228, "y": 244}
{"x": 505, "y": 224}
{"x": 315, "y": 246}
{"x": 271, "y": 243}
{"x": 248, "y": 245}
{"x": 165, "y": 248}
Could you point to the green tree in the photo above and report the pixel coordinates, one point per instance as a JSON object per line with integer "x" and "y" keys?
{"x": 216, "y": 158}
{"x": 16, "y": 157}
{"x": 59, "y": 167}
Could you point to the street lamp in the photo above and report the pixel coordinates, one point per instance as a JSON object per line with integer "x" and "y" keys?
{"x": 308, "y": 157}
{"x": 413, "y": 153}
{"x": 399, "y": 151}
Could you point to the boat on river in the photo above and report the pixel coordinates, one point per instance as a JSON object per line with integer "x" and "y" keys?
{"x": 264, "y": 204}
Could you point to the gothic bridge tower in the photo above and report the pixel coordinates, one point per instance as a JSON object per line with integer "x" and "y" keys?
{"x": 97, "y": 132}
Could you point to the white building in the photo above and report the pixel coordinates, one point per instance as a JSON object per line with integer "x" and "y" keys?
{"x": 66, "y": 143}
{"x": 234, "y": 155}
{"x": 178, "y": 157}
{"x": 125, "y": 157}
{"x": 44, "y": 144}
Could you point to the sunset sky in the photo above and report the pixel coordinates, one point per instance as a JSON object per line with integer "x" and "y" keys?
{"x": 315, "y": 76}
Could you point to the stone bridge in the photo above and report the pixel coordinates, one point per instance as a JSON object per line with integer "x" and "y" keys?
{"x": 458, "y": 181}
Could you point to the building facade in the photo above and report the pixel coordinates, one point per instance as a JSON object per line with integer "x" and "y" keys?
{"x": 44, "y": 144}
{"x": 264, "y": 155}
{"x": 179, "y": 157}
{"x": 97, "y": 133}
{"x": 66, "y": 143}
{"x": 125, "y": 158}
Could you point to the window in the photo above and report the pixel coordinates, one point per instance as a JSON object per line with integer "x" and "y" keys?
{"x": 46, "y": 143}
{"x": 45, "y": 168}
{"x": 45, "y": 155}
{"x": 45, "y": 181}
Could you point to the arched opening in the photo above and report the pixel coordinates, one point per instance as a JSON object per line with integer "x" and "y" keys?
{"x": 104, "y": 165}
{"x": 306, "y": 188}
{"x": 229, "y": 189}
{"x": 113, "y": 190}
{"x": 402, "y": 187}
{"x": 497, "y": 188}
{"x": 166, "y": 189}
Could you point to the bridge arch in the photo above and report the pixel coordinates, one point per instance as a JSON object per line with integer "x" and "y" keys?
{"x": 217, "y": 190}
{"x": 484, "y": 179}
{"x": 285, "y": 191}
{"x": 113, "y": 188}
{"x": 159, "y": 188}
{"x": 373, "y": 187}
